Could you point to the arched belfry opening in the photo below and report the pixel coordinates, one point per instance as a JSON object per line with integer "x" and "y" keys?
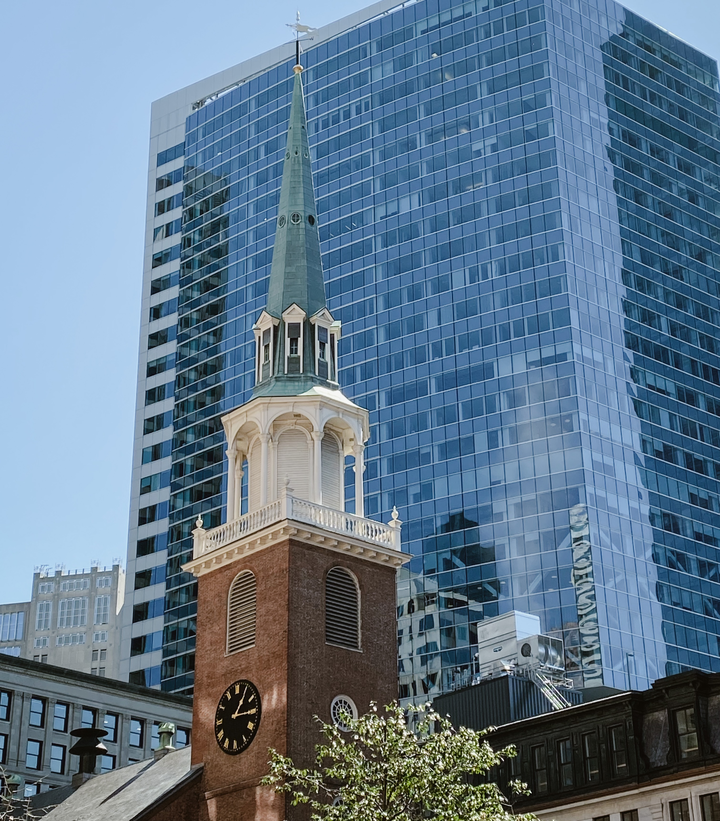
{"x": 296, "y": 446}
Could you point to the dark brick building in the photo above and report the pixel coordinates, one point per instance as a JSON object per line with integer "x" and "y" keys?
{"x": 635, "y": 756}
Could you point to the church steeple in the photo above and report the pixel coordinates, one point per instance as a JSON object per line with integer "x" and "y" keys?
{"x": 296, "y": 337}
{"x": 298, "y": 429}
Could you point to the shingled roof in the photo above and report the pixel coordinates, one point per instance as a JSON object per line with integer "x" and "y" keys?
{"x": 133, "y": 793}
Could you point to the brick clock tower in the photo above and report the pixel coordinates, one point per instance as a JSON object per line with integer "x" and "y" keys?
{"x": 296, "y": 598}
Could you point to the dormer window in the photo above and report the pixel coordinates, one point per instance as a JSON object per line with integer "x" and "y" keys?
{"x": 265, "y": 342}
{"x": 266, "y": 346}
{"x": 334, "y": 336}
{"x": 294, "y": 335}
{"x": 327, "y": 332}
{"x": 293, "y": 360}
{"x": 294, "y": 331}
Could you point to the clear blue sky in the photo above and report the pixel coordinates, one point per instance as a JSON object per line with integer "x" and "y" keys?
{"x": 77, "y": 79}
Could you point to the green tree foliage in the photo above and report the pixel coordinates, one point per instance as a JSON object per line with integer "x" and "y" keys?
{"x": 382, "y": 770}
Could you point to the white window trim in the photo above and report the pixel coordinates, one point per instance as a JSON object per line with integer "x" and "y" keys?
{"x": 294, "y": 314}
{"x": 339, "y": 703}
{"x": 323, "y": 319}
{"x": 102, "y": 609}
{"x": 265, "y": 322}
{"x": 72, "y": 612}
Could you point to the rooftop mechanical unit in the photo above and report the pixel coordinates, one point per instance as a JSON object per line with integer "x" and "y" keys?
{"x": 513, "y": 642}
{"x": 543, "y": 653}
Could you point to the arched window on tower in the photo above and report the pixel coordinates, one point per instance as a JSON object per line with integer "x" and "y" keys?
{"x": 342, "y": 609}
{"x": 242, "y": 608}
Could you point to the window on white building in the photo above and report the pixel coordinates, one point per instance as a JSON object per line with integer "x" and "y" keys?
{"x": 43, "y": 615}
{"x": 69, "y": 639}
{"x": 74, "y": 584}
{"x": 104, "y": 581}
{"x": 102, "y": 609}
{"x": 73, "y": 612}
{"x": 12, "y": 626}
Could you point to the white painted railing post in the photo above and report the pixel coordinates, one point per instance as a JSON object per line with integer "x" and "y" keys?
{"x": 395, "y": 524}
{"x": 287, "y": 507}
{"x": 230, "y": 505}
{"x": 199, "y": 536}
{"x": 286, "y": 501}
{"x": 359, "y": 453}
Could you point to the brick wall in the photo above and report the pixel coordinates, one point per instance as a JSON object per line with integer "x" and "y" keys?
{"x": 296, "y": 673}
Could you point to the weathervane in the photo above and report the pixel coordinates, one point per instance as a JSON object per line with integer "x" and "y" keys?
{"x": 299, "y": 28}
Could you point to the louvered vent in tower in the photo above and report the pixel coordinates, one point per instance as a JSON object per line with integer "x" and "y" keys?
{"x": 241, "y": 612}
{"x": 293, "y": 463}
{"x": 342, "y": 609}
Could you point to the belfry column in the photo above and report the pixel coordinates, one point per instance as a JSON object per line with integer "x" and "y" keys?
{"x": 359, "y": 451}
{"x": 264, "y": 439}
{"x": 317, "y": 436}
{"x": 230, "y": 453}
{"x": 272, "y": 469}
{"x": 237, "y": 507}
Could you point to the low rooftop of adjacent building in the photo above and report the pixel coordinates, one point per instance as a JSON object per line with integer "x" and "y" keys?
{"x": 612, "y": 747}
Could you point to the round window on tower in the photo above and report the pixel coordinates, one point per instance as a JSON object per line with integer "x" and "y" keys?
{"x": 295, "y": 219}
{"x": 311, "y": 219}
{"x": 342, "y": 711}
{"x": 281, "y": 221}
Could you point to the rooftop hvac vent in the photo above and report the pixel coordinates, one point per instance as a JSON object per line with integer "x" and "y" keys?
{"x": 513, "y": 641}
{"x": 543, "y": 652}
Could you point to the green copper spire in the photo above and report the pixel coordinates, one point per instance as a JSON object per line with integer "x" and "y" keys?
{"x": 296, "y": 274}
{"x": 296, "y": 336}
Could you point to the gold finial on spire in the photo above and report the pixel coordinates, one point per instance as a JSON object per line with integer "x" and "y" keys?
{"x": 299, "y": 28}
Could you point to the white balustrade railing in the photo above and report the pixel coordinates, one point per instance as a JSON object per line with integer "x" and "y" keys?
{"x": 298, "y": 510}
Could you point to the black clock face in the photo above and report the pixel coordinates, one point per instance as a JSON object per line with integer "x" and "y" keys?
{"x": 237, "y": 717}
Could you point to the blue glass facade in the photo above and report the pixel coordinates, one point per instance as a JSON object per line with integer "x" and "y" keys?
{"x": 518, "y": 207}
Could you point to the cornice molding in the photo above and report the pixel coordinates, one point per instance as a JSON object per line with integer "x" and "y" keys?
{"x": 287, "y": 529}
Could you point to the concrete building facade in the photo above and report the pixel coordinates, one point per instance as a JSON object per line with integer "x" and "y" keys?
{"x": 40, "y": 704}
{"x": 72, "y": 620}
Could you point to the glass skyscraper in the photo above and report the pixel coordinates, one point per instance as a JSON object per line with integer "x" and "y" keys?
{"x": 519, "y": 209}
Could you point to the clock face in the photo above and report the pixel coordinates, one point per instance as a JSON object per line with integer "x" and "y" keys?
{"x": 237, "y": 717}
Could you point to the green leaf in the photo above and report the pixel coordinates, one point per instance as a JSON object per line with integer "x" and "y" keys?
{"x": 384, "y": 770}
